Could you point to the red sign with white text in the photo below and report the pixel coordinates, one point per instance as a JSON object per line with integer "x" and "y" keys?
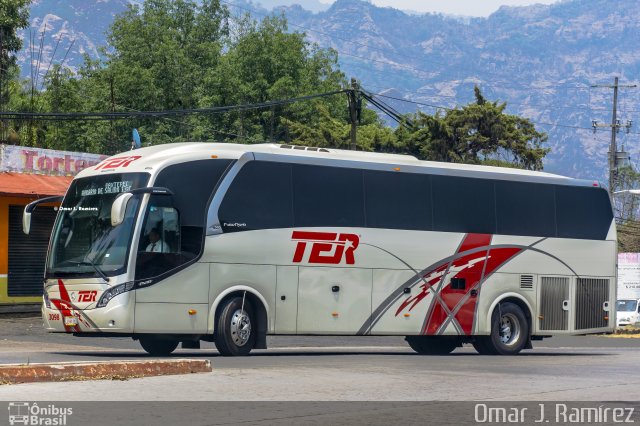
{"x": 328, "y": 248}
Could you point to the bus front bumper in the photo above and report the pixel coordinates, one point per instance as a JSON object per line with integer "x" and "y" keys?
{"x": 116, "y": 317}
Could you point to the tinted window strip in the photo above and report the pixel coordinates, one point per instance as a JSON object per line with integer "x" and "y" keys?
{"x": 590, "y": 206}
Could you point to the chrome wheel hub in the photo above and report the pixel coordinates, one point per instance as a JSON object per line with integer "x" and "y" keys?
{"x": 240, "y": 327}
{"x": 509, "y": 329}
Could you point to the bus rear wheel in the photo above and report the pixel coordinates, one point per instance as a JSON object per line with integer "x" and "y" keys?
{"x": 235, "y": 328}
{"x": 509, "y": 332}
{"x": 432, "y": 345}
{"x": 158, "y": 345}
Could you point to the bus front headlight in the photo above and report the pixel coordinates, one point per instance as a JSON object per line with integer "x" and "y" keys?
{"x": 113, "y": 292}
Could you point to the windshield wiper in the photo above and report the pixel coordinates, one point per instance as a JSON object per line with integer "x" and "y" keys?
{"x": 95, "y": 267}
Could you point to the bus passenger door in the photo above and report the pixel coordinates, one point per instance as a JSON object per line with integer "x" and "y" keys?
{"x": 333, "y": 300}
{"x": 175, "y": 304}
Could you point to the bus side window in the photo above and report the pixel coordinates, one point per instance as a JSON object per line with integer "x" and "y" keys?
{"x": 162, "y": 231}
{"x": 159, "y": 245}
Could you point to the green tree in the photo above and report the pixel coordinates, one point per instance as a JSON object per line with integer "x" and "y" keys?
{"x": 68, "y": 93}
{"x": 157, "y": 58}
{"x": 266, "y": 62}
{"x": 172, "y": 55}
{"x": 478, "y": 133}
{"x": 330, "y": 131}
{"x": 160, "y": 56}
{"x": 162, "y": 51}
{"x": 14, "y": 15}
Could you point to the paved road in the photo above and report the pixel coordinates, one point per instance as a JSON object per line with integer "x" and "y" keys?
{"x": 330, "y": 368}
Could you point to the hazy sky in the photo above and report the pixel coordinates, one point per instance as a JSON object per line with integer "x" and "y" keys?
{"x": 456, "y": 7}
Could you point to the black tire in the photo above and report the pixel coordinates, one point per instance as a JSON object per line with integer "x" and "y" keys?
{"x": 432, "y": 345}
{"x": 158, "y": 345}
{"x": 482, "y": 346}
{"x": 227, "y": 336}
{"x": 509, "y": 332}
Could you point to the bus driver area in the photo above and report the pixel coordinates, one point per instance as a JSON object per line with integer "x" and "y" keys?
{"x": 223, "y": 243}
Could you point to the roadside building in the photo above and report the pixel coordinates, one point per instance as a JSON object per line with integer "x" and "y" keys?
{"x": 27, "y": 174}
{"x": 628, "y": 275}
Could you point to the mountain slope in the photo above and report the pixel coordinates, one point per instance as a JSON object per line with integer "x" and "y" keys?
{"x": 76, "y": 27}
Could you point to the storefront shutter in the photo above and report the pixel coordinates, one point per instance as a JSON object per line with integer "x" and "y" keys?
{"x": 27, "y": 253}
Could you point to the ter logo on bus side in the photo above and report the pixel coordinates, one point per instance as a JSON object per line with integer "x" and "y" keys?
{"x": 326, "y": 247}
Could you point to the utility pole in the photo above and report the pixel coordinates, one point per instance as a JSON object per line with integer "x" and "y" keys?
{"x": 112, "y": 143}
{"x": 355, "y": 107}
{"x": 4, "y": 64}
{"x": 613, "y": 148}
{"x": 615, "y": 128}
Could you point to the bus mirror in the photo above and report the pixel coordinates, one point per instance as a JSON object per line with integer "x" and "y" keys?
{"x": 26, "y": 214}
{"x": 26, "y": 222}
{"x": 119, "y": 207}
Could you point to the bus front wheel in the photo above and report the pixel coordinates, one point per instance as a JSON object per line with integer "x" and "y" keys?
{"x": 509, "y": 332}
{"x": 432, "y": 345}
{"x": 158, "y": 345}
{"x": 235, "y": 328}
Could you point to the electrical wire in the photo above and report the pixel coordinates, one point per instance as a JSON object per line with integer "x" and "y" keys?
{"x": 181, "y": 122}
{"x": 53, "y": 55}
{"x": 401, "y": 119}
{"x": 534, "y": 122}
{"x": 88, "y": 116}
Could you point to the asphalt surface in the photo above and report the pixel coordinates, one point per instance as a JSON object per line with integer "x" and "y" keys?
{"x": 336, "y": 369}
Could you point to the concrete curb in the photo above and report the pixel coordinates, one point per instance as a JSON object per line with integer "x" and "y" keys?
{"x": 107, "y": 370}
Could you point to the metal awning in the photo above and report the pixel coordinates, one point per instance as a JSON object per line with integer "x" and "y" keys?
{"x": 28, "y": 185}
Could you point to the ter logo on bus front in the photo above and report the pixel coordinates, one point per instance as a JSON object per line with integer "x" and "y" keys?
{"x": 326, "y": 247}
{"x": 117, "y": 162}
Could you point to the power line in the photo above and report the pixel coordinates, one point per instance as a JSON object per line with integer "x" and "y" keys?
{"x": 568, "y": 126}
{"x": 59, "y": 116}
{"x": 381, "y": 90}
{"x": 414, "y": 102}
{"x": 41, "y": 49}
{"x": 182, "y": 122}
{"x": 53, "y": 55}
{"x": 396, "y": 116}
{"x": 549, "y": 107}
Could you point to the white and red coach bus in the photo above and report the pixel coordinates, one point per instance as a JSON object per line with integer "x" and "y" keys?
{"x": 229, "y": 243}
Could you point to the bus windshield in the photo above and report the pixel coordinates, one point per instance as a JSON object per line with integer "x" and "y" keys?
{"x": 626, "y": 305}
{"x": 83, "y": 241}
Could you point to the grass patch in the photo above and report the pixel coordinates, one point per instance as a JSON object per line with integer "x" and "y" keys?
{"x": 628, "y": 332}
